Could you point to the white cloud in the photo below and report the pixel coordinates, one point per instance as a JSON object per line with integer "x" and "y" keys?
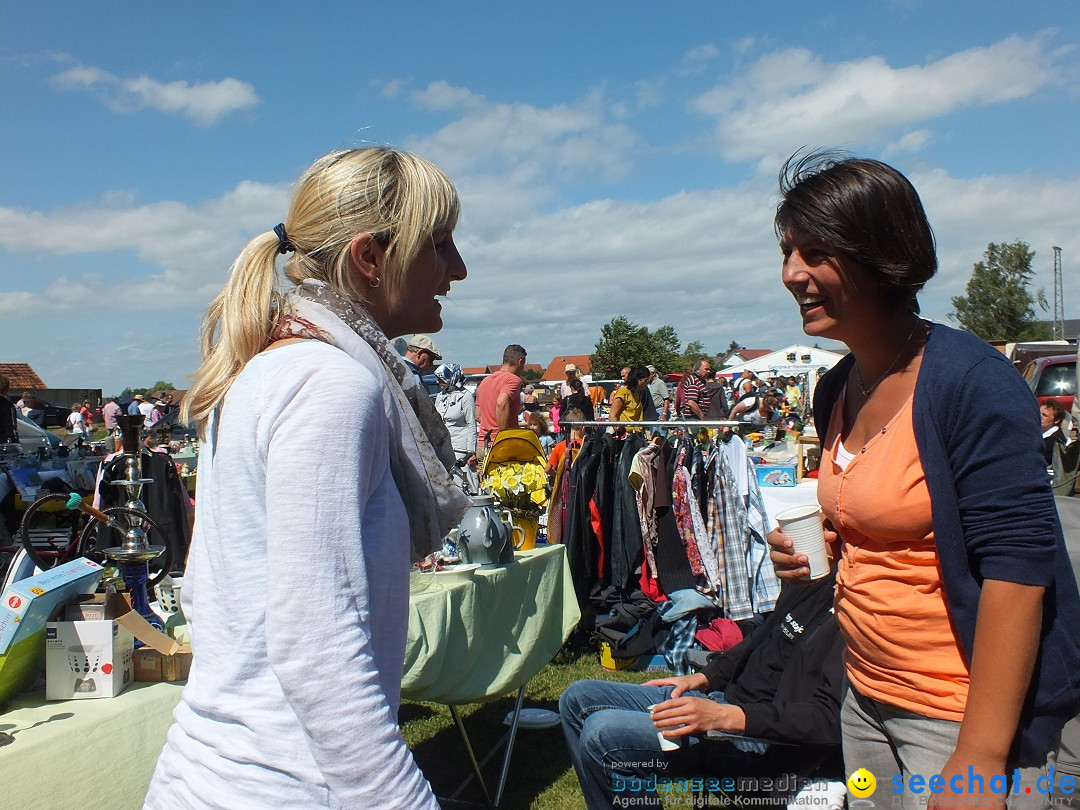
{"x": 444, "y": 96}
{"x": 393, "y": 88}
{"x": 704, "y": 262}
{"x": 205, "y": 103}
{"x": 184, "y": 250}
{"x": 913, "y": 141}
{"x": 794, "y": 97}
{"x": 521, "y": 152}
{"x": 698, "y": 58}
{"x": 707, "y": 263}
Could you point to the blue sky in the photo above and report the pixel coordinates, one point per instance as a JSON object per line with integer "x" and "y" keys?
{"x": 612, "y": 158}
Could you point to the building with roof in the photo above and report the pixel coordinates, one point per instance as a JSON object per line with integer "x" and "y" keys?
{"x": 556, "y": 369}
{"x": 741, "y": 355}
{"x": 22, "y": 377}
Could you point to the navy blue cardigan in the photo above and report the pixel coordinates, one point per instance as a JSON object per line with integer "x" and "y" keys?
{"x": 977, "y": 428}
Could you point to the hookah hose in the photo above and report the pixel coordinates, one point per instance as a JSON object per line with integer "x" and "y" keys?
{"x": 112, "y": 520}
{"x": 75, "y": 501}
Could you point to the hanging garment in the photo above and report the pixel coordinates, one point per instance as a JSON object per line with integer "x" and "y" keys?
{"x": 671, "y": 561}
{"x": 700, "y": 549}
{"x": 625, "y": 538}
{"x": 643, "y": 473}
{"x": 748, "y": 581}
{"x": 578, "y": 537}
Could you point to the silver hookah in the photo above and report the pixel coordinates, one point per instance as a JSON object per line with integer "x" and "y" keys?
{"x": 135, "y": 551}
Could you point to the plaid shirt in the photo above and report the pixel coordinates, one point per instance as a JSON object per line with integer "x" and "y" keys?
{"x": 737, "y": 530}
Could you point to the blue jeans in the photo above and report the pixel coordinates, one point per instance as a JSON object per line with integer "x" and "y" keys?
{"x": 613, "y": 743}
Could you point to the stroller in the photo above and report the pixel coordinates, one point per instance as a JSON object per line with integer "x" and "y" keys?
{"x": 521, "y": 447}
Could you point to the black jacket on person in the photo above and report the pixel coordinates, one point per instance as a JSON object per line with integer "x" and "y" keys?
{"x": 579, "y": 401}
{"x": 788, "y": 677}
{"x": 9, "y": 431}
{"x": 163, "y": 499}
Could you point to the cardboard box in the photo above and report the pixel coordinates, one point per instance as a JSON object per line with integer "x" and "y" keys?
{"x": 775, "y": 475}
{"x": 123, "y": 625}
{"x": 25, "y": 608}
{"x": 91, "y": 607}
{"x": 151, "y": 665}
{"x": 87, "y": 659}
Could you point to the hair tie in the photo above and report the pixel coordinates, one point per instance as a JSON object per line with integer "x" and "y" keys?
{"x": 285, "y": 244}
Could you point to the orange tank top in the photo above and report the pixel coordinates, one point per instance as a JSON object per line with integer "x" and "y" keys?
{"x": 890, "y": 601}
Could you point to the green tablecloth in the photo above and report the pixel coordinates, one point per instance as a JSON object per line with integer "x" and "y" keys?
{"x": 481, "y": 637}
{"x": 85, "y": 753}
{"x": 468, "y": 640}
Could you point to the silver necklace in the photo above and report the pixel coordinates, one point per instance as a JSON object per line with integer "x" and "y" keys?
{"x": 867, "y": 390}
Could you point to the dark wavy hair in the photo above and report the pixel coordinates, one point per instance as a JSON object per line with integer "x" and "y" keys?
{"x": 865, "y": 210}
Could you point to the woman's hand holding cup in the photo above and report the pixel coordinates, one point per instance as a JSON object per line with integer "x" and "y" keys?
{"x": 789, "y": 564}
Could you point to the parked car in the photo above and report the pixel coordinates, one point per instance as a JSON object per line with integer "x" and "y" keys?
{"x": 1053, "y": 377}
{"x": 32, "y": 437}
{"x": 55, "y": 415}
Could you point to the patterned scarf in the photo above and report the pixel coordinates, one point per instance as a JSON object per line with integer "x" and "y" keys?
{"x": 421, "y": 455}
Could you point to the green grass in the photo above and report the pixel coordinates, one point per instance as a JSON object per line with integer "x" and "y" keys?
{"x": 540, "y": 776}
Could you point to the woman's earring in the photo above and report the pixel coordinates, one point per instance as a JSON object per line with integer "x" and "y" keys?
{"x": 375, "y": 282}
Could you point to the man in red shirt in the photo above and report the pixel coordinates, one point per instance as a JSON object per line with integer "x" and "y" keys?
{"x": 498, "y": 398}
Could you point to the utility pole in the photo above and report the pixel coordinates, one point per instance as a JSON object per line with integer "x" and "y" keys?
{"x": 1059, "y": 298}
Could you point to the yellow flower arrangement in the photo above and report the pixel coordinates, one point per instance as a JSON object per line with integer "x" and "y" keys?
{"x": 518, "y": 486}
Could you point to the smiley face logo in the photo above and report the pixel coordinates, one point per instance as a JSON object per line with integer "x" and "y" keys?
{"x": 862, "y": 783}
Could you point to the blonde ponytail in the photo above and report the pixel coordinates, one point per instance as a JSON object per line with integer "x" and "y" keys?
{"x": 237, "y": 327}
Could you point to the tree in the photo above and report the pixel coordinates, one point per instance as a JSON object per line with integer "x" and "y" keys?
{"x": 998, "y": 304}
{"x": 693, "y": 352}
{"x": 624, "y": 343}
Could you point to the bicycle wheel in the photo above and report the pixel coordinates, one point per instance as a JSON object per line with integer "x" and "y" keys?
{"x": 45, "y": 548}
{"x": 91, "y": 544}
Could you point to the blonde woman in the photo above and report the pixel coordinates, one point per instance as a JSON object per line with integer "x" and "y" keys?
{"x": 316, "y": 438}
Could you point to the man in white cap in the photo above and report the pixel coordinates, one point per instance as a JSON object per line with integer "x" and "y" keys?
{"x": 422, "y": 355}
{"x": 566, "y": 389}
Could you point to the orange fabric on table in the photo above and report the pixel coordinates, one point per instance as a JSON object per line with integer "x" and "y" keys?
{"x": 890, "y": 599}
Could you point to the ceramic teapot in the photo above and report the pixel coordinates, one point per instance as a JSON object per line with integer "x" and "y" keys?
{"x": 482, "y": 537}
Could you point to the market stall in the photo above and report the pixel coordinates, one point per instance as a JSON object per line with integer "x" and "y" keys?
{"x": 470, "y": 639}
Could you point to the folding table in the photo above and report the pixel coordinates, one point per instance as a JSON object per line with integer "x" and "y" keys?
{"x": 477, "y": 638}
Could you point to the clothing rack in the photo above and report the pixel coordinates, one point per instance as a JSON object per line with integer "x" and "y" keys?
{"x": 674, "y": 423}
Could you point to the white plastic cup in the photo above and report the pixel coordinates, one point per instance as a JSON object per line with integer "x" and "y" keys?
{"x": 803, "y": 525}
{"x": 666, "y": 743}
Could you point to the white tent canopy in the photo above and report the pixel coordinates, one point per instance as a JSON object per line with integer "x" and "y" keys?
{"x": 792, "y": 361}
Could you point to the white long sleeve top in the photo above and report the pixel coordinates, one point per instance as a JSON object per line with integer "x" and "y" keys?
{"x": 296, "y": 595}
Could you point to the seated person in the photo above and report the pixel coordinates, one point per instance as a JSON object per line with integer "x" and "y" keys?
{"x": 784, "y": 684}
